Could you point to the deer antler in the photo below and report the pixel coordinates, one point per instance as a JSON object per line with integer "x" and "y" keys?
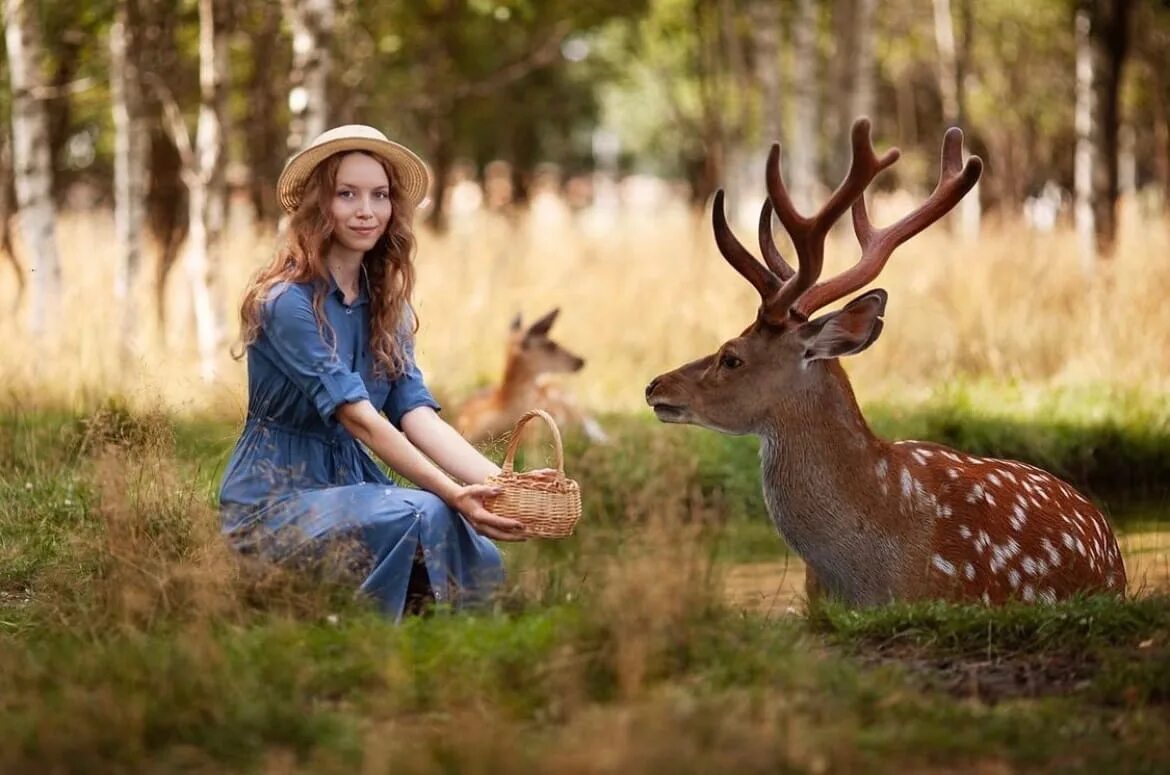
{"x": 954, "y": 181}
{"x": 740, "y": 258}
{"x": 808, "y": 233}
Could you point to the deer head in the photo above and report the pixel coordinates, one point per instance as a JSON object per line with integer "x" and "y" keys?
{"x": 771, "y": 371}
{"x": 534, "y": 352}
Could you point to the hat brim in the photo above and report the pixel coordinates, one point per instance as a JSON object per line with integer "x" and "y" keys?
{"x": 410, "y": 173}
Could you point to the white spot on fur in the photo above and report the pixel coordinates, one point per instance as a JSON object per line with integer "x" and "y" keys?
{"x": 907, "y": 483}
{"x": 964, "y": 531}
{"x": 1029, "y": 593}
{"x": 969, "y": 571}
{"x": 1029, "y": 565}
{"x": 975, "y": 494}
{"x": 919, "y": 457}
{"x": 944, "y": 566}
{"x": 1048, "y": 595}
{"x": 993, "y": 479}
{"x": 882, "y": 468}
{"x": 1014, "y": 578}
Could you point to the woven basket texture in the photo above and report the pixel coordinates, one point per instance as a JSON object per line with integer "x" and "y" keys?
{"x": 547, "y": 506}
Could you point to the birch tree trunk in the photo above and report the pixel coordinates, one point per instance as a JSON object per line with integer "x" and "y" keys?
{"x": 203, "y": 172}
{"x": 32, "y": 163}
{"x": 311, "y": 24}
{"x": 950, "y": 86}
{"x": 765, "y": 18}
{"x": 851, "y": 73}
{"x": 130, "y": 154}
{"x": 7, "y": 199}
{"x": 861, "y": 97}
{"x": 1084, "y": 160}
{"x": 803, "y": 154}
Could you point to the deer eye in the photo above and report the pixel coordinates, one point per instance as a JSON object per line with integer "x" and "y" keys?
{"x": 729, "y": 361}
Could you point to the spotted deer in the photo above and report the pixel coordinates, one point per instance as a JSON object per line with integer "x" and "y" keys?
{"x": 531, "y": 356}
{"x": 875, "y": 521}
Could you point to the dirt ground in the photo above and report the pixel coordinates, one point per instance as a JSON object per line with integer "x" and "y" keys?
{"x": 778, "y": 587}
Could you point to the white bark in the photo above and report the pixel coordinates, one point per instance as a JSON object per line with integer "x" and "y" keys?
{"x": 203, "y": 172}
{"x": 864, "y": 32}
{"x": 130, "y": 167}
{"x": 311, "y": 25}
{"x": 32, "y": 165}
{"x": 1084, "y": 158}
{"x": 803, "y": 154}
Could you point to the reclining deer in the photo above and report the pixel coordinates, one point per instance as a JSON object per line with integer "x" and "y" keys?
{"x": 532, "y": 354}
{"x": 875, "y": 521}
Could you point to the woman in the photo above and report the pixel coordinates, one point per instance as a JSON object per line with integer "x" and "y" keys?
{"x": 328, "y": 331}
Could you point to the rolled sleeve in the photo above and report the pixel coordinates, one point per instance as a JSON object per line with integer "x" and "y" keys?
{"x": 307, "y": 359}
{"x": 408, "y": 390}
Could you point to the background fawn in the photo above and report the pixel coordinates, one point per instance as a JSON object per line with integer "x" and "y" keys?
{"x": 531, "y": 356}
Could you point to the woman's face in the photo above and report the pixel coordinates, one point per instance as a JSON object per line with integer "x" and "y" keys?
{"x": 360, "y": 206}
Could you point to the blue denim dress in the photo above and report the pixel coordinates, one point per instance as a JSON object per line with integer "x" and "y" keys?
{"x": 299, "y": 484}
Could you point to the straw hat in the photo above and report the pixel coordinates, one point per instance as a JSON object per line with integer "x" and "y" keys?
{"x": 410, "y": 174}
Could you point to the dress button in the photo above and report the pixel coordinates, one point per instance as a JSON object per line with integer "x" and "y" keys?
{"x": 349, "y": 310}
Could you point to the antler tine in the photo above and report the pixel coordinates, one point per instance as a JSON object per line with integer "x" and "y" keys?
{"x": 955, "y": 179}
{"x": 764, "y": 280}
{"x": 772, "y": 256}
{"x": 808, "y": 234}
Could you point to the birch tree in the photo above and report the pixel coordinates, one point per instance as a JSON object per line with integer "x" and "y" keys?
{"x": 203, "y": 174}
{"x": 32, "y": 162}
{"x": 6, "y": 211}
{"x": 803, "y": 153}
{"x": 851, "y": 75}
{"x": 131, "y": 137}
{"x": 311, "y": 25}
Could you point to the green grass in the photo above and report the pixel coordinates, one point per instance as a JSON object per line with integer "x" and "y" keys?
{"x": 131, "y": 639}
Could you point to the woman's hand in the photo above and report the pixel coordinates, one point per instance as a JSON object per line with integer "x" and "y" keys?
{"x": 468, "y": 501}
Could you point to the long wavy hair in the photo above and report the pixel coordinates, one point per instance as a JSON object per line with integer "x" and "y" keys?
{"x": 388, "y": 268}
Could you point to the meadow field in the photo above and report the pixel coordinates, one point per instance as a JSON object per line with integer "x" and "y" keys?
{"x": 670, "y": 632}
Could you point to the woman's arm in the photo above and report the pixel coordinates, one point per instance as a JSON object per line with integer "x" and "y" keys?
{"x": 368, "y": 426}
{"x": 441, "y": 443}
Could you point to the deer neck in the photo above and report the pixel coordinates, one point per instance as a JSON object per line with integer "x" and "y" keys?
{"x": 519, "y": 384}
{"x": 820, "y": 490}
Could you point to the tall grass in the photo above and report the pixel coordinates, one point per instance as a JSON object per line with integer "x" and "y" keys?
{"x": 131, "y": 639}
{"x": 641, "y": 297}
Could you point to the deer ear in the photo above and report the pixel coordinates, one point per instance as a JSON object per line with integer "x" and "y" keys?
{"x": 847, "y": 331}
{"x": 541, "y": 327}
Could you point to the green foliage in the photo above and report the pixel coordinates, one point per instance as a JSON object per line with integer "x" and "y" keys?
{"x": 129, "y": 641}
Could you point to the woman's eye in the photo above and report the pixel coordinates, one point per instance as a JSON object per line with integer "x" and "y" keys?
{"x": 729, "y": 361}
{"x": 383, "y": 194}
{"x": 345, "y": 194}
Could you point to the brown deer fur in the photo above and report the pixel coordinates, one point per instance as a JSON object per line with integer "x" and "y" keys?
{"x": 531, "y": 356}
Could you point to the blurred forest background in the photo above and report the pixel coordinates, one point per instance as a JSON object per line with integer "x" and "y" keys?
{"x": 575, "y": 147}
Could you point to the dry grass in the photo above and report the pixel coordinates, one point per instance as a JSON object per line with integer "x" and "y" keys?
{"x": 645, "y": 296}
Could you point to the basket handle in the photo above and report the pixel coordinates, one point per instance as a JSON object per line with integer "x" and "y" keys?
{"x": 514, "y": 442}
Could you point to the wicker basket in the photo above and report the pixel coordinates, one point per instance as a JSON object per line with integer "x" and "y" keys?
{"x": 548, "y": 506}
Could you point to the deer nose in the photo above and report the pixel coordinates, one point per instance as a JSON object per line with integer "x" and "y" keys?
{"x": 650, "y": 388}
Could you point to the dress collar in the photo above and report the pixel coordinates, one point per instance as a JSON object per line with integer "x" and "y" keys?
{"x": 363, "y": 296}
